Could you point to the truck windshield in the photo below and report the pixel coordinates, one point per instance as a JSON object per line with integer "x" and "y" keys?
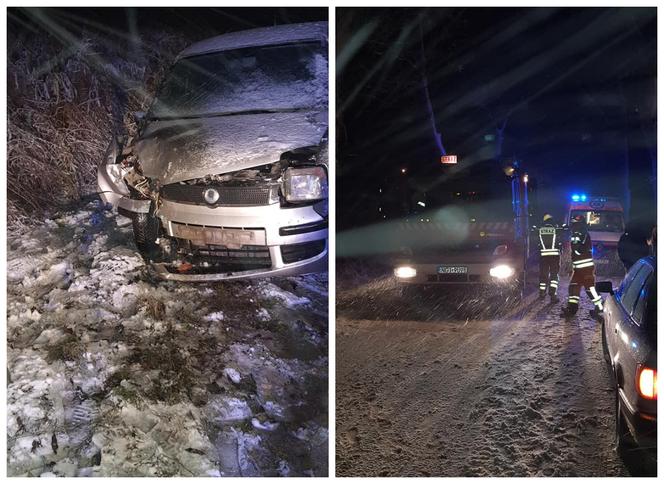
{"x": 602, "y": 220}
{"x": 265, "y": 78}
{"x": 481, "y": 192}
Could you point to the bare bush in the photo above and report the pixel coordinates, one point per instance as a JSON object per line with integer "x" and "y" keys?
{"x": 64, "y": 103}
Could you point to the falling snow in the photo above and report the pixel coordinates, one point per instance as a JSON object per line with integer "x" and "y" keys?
{"x": 460, "y": 385}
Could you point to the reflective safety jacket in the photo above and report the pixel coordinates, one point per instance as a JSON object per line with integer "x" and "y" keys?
{"x": 550, "y": 240}
{"x": 582, "y": 250}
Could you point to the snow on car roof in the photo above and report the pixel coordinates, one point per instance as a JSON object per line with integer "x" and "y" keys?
{"x": 278, "y": 34}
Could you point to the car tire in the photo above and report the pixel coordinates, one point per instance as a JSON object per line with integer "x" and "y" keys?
{"x": 623, "y": 439}
{"x": 146, "y": 231}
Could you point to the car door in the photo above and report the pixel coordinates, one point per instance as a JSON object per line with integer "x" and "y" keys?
{"x": 626, "y": 334}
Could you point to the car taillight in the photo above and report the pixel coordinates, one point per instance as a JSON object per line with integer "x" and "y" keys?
{"x": 647, "y": 383}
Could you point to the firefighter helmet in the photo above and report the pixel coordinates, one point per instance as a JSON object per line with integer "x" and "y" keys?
{"x": 579, "y": 224}
{"x": 547, "y": 217}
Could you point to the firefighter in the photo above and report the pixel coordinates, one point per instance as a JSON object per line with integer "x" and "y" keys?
{"x": 583, "y": 269}
{"x": 550, "y": 243}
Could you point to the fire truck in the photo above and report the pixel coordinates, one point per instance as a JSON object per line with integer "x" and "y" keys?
{"x": 606, "y": 223}
{"x": 467, "y": 225}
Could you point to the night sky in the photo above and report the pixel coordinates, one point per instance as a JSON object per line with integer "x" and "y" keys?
{"x": 576, "y": 85}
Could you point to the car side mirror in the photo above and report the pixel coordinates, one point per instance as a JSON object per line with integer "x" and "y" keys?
{"x": 604, "y": 286}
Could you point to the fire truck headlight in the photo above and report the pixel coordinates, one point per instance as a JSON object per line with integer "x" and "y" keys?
{"x": 502, "y": 271}
{"x": 405, "y": 272}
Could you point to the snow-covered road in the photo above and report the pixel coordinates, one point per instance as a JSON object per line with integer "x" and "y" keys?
{"x": 111, "y": 373}
{"x": 422, "y": 393}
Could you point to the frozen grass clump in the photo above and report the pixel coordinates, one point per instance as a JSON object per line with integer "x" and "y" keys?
{"x": 63, "y": 103}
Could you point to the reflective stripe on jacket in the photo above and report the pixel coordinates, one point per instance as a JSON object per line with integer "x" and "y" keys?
{"x": 582, "y": 250}
{"x": 550, "y": 241}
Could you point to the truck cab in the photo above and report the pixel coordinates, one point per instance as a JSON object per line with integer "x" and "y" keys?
{"x": 467, "y": 225}
{"x": 606, "y": 223}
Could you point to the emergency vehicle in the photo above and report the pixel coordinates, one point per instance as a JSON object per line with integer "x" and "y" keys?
{"x": 466, "y": 225}
{"x": 606, "y": 223}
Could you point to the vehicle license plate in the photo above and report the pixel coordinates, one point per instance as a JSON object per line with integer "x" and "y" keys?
{"x": 452, "y": 270}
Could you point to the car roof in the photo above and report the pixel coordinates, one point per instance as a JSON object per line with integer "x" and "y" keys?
{"x": 278, "y": 34}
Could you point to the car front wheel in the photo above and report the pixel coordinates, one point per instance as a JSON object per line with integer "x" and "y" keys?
{"x": 146, "y": 232}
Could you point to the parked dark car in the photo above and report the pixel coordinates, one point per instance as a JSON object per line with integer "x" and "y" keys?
{"x": 629, "y": 338}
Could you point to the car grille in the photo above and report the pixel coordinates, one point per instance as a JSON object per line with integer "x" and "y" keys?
{"x": 297, "y": 252}
{"x": 216, "y": 259}
{"x": 249, "y": 254}
{"x": 229, "y": 196}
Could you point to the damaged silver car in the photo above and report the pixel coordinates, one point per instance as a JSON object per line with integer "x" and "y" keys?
{"x": 228, "y": 175}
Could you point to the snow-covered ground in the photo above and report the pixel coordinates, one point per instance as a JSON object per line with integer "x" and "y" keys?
{"x": 437, "y": 387}
{"x": 112, "y": 373}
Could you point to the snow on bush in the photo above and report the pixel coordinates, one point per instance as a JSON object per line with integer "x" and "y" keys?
{"x": 64, "y": 103}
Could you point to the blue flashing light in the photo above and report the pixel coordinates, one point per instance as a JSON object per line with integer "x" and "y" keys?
{"x": 584, "y": 197}
{"x": 579, "y": 197}
{"x": 576, "y": 198}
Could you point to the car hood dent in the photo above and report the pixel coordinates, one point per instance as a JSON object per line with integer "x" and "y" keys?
{"x": 181, "y": 149}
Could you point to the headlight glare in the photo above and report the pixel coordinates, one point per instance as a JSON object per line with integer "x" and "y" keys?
{"x": 501, "y": 272}
{"x": 405, "y": 272}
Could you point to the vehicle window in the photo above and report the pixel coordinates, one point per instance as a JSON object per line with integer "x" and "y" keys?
{"x": 602, "y": 220}
{"x": 632, "y": 290}
{"x": 629, "y": 277}
{"x": 250, "y": 79}
{"x": 642, "y": 300}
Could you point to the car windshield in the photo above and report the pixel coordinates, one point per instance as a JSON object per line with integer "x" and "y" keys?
{"x": 602, "y": 220}
{"x": 265, "y": 78}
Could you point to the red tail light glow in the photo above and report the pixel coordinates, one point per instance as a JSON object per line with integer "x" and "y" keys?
{"x": 647, "y": 383}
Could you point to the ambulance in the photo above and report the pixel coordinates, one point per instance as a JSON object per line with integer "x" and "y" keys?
{"x": 606, "y": 223}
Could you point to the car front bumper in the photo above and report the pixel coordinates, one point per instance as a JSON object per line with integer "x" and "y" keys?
{"x": 478, "y": 273}
{"x": 271, "y": 226}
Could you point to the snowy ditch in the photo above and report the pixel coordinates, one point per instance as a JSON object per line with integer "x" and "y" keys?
{"x": 111, "y": 373}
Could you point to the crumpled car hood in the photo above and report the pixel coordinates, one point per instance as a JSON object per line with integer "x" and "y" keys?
{"x": 182, "y": 149}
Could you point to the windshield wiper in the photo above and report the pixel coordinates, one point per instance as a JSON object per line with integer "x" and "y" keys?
{"x": 231, "y": 113}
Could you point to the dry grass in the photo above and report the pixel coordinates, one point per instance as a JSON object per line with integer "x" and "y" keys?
{"x": 63, "y": 106}
{"x": 154, "y": 308}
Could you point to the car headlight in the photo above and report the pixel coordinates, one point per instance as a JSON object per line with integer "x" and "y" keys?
{"x": 501, "y": 272}
{"x": 405, "y": 272}
{"x": 305, "y": 184}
